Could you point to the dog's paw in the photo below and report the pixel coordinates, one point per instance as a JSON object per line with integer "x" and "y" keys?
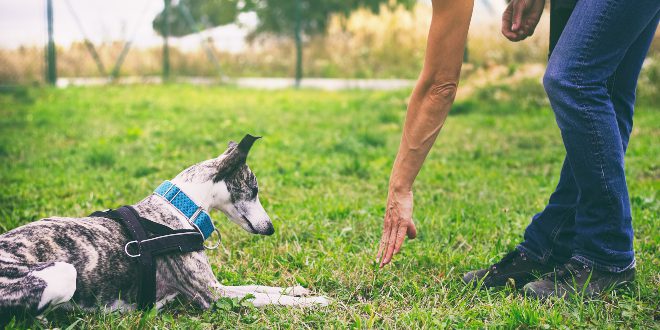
{"x": 320, "y": 301}
{"x": 297, "y": 291}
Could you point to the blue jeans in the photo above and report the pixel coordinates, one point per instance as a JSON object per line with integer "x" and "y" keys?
{"x": 591, "y": 81}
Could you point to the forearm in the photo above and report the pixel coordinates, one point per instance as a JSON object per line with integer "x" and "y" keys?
{"x": 435, "y": 90}
{"x": 424, "y": 120}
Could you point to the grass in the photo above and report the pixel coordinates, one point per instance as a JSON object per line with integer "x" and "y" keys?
{"x": 323, "y": 167}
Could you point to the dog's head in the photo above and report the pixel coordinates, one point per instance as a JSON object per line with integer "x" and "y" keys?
{"x": 227, "y": 184}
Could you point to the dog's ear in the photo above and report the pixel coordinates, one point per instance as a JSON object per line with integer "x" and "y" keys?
{"x": 246, "y": 143}
{"x": 236, "y": 156}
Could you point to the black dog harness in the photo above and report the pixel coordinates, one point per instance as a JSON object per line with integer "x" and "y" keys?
{"x": 149, "y": 240}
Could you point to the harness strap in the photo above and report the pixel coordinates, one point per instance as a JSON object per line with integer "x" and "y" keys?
{"x": 150, "y": 226}
{"x": 147, "y": 271}
{"x": 164, "y": 240}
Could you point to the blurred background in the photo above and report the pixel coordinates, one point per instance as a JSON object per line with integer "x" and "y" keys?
{"x": 219, "y": 41}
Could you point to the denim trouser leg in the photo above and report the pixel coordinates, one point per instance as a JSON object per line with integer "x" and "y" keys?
{"x": 591, "y": 80}
{"x": 550, "y": 232}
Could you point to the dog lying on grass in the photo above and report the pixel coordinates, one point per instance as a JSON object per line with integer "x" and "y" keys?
{"x": 89, "y": 262}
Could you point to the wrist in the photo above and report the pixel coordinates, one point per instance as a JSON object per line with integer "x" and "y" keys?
{"x": 400, "y": 188}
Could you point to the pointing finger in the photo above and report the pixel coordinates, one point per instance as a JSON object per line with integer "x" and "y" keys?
{"x": 390, "y": 246}
{"x": 383, "y": 239}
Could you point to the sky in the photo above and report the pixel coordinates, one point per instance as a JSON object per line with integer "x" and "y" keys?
{"x": 22, "y": 22}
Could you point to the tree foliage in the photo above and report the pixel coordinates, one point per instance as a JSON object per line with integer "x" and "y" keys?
{"x": 274, "y": 16}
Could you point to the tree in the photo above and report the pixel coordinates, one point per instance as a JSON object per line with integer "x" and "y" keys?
{"x": 289, "y": 18}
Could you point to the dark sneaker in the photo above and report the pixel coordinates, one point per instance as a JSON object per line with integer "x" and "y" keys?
{"x": 577, "y": 277}
{"x": 515, "y": 268}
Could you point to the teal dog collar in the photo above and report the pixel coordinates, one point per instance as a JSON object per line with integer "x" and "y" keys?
{"x": 193, "y": 212}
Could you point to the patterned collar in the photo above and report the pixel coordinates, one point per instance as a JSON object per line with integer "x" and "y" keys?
{"x": 195, "y": 214}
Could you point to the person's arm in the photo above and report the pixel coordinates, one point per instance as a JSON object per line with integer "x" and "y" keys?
{"x": 428, "y": 107}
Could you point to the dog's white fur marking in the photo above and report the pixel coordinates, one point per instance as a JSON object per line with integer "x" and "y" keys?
{"x": 197, "y": 191}
{"x": 120, "y": 306}
{"x": 296, "y": 291}
{"x": 60, "y": 281}
{"x": 257, "y": 215}
{"x": 268, "y": 295}
{"x": 263, "y": 299}
{"x": 161, "y": 303}
{"x": 220, "y": 195}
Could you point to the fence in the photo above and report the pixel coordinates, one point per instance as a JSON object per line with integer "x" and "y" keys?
{"x": 364, "y": 45}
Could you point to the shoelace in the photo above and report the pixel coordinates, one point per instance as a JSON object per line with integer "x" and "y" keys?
{"x": 510, "y": 257}
{"x": 569, "y": 270}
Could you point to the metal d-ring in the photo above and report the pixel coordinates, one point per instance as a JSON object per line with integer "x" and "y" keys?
{"x": 128, "y": 253}
{"x": 216, "y": 244}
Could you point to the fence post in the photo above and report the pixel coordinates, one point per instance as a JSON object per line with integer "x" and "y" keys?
{"x": 51, "y": 63}
{"x": 298, "y": 38}
{"x": 166, "y": 35}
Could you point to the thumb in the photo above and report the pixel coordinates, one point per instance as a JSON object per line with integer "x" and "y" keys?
{"x": 518, "y": 9}
{"x": 412, "y": 231}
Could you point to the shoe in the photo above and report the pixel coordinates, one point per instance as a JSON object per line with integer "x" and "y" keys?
{"x": 515, "y": 268}
{"x": 576, "y": 277}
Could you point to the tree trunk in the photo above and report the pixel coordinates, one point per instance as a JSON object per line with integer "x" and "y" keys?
{"x": 166, "y": 35}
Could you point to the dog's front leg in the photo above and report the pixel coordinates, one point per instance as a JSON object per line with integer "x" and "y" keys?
{"x": 198, "y": 284}
{"x": 188, "y": 276}
{"x": 264, "y": 295}
{"x": 296, "y": 291}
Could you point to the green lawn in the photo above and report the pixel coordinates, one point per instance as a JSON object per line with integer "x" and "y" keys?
{"x": 323, "y": 167}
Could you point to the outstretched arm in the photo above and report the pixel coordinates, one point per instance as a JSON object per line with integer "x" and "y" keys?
{"x": 428, "y": 107}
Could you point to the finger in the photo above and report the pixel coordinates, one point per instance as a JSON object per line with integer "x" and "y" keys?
{"x": 386, "y": 257}
{"x": 381, "y": 248}
{"x": 517, "y": 36}
{"x": 531, "y": 26}
{"x": 400, "y": 237}
{"x": 510, "y": 35}
{"x": 518, "y": 9}
{"x": 383, "y": 239}
{"x": 389, "y": 251}
{"x": 525, "y": 28}
{"x": 506, "y": 20}
{"x": 412, "y": 230}
{"x": 513, "y": 38}
{"x": 387, "y": 223}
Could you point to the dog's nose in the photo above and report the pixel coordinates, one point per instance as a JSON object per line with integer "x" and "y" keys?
{"x": 270, "y": 230}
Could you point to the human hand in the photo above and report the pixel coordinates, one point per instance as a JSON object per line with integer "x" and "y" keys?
{"x": 520, "y": 18}
{"x": 397, "y": 223}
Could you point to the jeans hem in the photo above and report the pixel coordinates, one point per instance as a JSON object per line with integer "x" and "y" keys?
{"x": 603, "y": 267}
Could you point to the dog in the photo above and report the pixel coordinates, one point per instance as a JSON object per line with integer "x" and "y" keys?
{"x": 85, "y": 262}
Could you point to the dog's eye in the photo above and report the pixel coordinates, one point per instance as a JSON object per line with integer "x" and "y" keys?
{"x": 255, "y": 190}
